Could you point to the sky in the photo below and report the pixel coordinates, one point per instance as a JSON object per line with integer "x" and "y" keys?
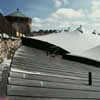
{"x": 57, "y": 14}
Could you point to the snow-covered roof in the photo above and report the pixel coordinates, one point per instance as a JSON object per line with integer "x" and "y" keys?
{"x": 74, "y": 42}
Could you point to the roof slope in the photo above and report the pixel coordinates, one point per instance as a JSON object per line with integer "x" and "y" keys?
{"x": 34, "y": 74}
{"x": 93, "y": 53}
{"x": 75, "y": 42}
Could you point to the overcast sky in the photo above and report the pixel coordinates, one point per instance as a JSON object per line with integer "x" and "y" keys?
{"x": 48, "y": 14}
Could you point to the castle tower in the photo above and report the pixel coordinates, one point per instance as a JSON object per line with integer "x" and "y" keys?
{"x": 20, "y": 22}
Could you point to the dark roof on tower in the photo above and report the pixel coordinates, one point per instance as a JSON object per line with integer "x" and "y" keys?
{"x": 17, "y": 13}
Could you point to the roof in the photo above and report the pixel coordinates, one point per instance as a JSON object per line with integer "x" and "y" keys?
{"x": 17, "y": 13}
{"x": 34, "y": 74}
{"x": 75, "y": 42}
{"x": 50, "y": 77}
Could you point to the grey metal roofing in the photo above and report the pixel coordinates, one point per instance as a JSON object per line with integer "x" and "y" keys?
{"x": 36, "y": 75}
{"x": 17, "y": 13}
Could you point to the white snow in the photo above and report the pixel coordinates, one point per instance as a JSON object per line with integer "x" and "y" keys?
{"x": 75, "y": 42}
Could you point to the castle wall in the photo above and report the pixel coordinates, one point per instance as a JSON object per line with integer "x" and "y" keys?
{"x": 20, "y": 24}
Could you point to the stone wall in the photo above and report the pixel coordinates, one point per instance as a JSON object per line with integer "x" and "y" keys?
{"x": 8, "y": 47}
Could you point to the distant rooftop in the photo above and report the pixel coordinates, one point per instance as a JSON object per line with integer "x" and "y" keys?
{"x": 17, "y": 13}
